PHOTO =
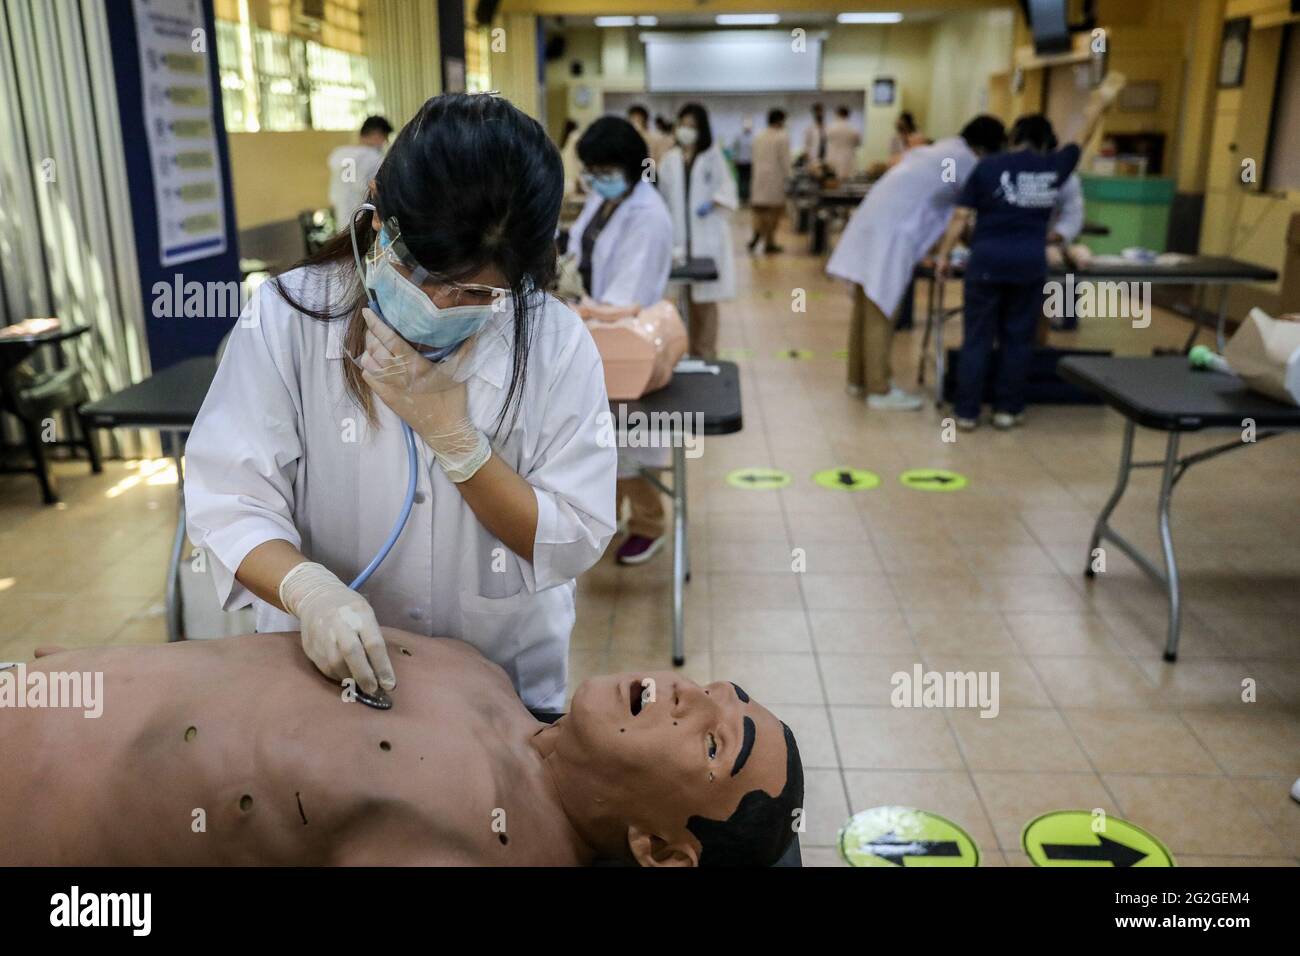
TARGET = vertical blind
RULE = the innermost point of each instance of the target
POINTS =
(67, 247)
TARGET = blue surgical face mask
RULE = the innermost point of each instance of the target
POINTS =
(610, 185)
(413, 315)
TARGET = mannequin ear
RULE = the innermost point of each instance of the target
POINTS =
(651, 850)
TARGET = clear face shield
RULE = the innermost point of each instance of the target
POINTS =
(402, 292)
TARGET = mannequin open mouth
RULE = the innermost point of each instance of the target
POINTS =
(634, 692)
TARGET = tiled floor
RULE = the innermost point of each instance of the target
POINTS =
(985, 579)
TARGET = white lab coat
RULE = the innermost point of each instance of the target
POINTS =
(634, 251)
(902, 216)
(1067, 217)
(280, 450)
(842, 142)
(710, 234)
(352, 167)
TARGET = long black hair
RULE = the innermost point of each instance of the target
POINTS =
(704, 132)
(472, 182)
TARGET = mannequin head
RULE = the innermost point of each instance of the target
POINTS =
(675, 774)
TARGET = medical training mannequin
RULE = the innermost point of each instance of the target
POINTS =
(238, 752)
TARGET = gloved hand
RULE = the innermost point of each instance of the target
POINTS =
(704, 208)
(339, 630)
(426, 396)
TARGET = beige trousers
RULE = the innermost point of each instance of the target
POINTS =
(645, 507)
(871, 333)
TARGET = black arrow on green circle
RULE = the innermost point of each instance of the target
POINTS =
(1104, 851)
(755, 479)
(846, 478)
(937, 479)
(890, 847)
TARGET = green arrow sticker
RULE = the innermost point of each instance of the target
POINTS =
(1081, 838)
(841, 353)
(799, 355)
(847, 479)
(905, 836)
(762, 479)
(735, 354)
(933, 479)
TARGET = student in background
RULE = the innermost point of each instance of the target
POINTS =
(906, 136)
(842, 142)
(742, 154)
(814, 141)
(661, 138)
(353, 166)
(771, 171)
(701, 193)
(624, 240)
(887, 235)
(569, 156)
(1012, 196)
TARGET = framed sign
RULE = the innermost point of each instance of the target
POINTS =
(882, 91)
(1232, 52)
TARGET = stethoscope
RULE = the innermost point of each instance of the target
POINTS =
(412, 455)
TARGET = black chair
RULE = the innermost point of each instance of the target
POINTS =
(34, 397)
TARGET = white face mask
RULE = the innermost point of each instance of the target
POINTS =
(687, 135)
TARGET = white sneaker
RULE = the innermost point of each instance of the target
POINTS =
(967, 424)
(1295, 790)
(895, 400)
(1005, 420)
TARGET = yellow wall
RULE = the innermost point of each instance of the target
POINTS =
(1240, 220)
(855, 55)
(277, 175)
(966, 51)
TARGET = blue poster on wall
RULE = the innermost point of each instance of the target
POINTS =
(179, 101)
(178, 170)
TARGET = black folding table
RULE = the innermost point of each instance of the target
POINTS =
(1199, 272)
(168, 401)
(693, 403)
(1165, 394)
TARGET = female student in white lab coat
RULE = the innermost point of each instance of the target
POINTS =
(623, 239)
(701, 194)
(298, 463)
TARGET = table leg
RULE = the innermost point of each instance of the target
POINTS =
(175, 604)
(679, 553)
(1167, 477)
(925, 333)
(1102, 527)
(684, 306)
(1222, 320)
(1198, 303)
(940, 360)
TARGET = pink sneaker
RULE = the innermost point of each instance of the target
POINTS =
(638, 549)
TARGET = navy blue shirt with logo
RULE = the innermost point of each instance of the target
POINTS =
(1013, 195)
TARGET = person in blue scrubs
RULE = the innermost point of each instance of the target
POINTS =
(1012, 196)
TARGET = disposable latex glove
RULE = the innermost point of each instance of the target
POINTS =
(704, 208)
(339, 630)
(426, 396)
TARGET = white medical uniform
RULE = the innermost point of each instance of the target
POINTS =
(1067, 217)
(902, 216)
(710, 234)
(281, 450)
(633, 253)
(842, 142)
(352, 167)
